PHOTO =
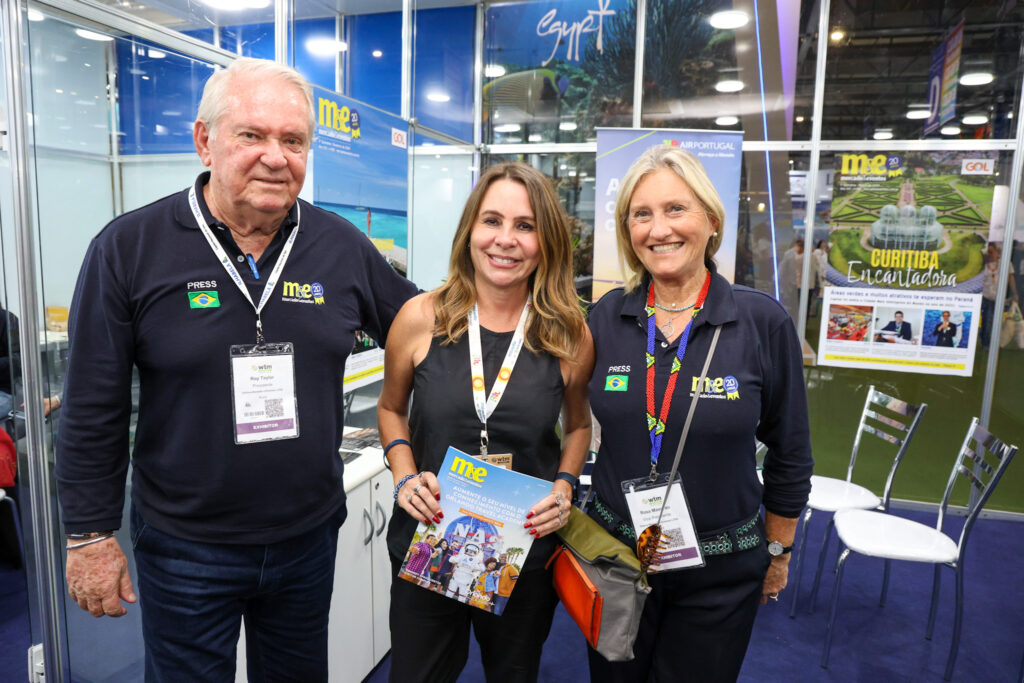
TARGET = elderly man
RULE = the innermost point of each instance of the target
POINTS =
(238, 306)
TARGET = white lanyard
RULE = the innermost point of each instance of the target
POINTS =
(225, 260)
(485, 408)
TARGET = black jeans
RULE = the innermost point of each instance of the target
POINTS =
(195, 595)
(696, 623)
(430, 632)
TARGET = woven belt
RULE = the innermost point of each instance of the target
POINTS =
(742, 537)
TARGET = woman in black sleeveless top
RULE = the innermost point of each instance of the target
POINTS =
(512, 248)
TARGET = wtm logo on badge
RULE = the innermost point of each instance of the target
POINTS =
(203, 300)
(616, 383)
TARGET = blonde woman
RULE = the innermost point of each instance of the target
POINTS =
(509, 280)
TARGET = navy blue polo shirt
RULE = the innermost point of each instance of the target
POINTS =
(135, 306)
(758, 357)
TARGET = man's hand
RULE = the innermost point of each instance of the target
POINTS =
(776, 578)
(98, 578)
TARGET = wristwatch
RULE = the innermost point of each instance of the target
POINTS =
(775, 548)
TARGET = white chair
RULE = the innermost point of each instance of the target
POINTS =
(879, 534)
(891, 420)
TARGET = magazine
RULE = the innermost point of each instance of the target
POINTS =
(477, 551)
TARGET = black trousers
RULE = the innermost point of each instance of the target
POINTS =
(696, 623)
(430, 633)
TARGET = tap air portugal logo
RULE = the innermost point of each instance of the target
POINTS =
(312, 293)
(727, 387)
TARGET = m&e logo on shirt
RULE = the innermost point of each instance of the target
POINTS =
(203, 300)
(616, 383)
(312, 293)
(727, 387)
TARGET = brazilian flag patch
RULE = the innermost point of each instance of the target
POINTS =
(616, 383)
(203, 300)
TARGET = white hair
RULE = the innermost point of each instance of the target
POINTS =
(214, 101)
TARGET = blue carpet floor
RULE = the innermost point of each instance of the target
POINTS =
(872, 643)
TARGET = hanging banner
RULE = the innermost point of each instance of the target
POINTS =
(359, 170)
(618, 148)
(906, 260)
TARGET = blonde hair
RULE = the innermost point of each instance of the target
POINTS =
(214, 102)
(557, 323)
(691, 171)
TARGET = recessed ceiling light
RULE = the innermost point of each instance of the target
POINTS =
(726, 121)
(59, 91)
(800, 119)
(535, 137)
(883, 135)
(438, 96)
(236, 5)
(918, 114)
(325, 47)
(950, 130)
(729, 19)
(145, 78)
(975, 120)
(377, 53)
(729, 86)
(507, 128)
(35, 15)
(494, 71)
(156, 54)
(567, 125)
(837, 35)
(92, 35)
(977, 78)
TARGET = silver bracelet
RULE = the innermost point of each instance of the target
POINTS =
(97, 539)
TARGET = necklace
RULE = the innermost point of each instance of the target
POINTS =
(668, 328)
(669, 309)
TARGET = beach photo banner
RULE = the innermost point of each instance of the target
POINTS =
(360, 171)
(618, 148)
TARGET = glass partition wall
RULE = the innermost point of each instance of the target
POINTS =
(110, 89)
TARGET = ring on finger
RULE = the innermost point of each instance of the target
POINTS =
(408, 499)
(416, 489)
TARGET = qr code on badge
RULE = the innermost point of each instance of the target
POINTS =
(675, 536)
(274, 407)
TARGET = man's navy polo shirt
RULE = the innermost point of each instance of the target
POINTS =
(133, 307)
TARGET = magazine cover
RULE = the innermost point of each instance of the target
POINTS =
(477, 551)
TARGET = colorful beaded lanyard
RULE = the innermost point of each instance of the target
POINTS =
(656, 426)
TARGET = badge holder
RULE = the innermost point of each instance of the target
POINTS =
(645, 498)
(263, 399)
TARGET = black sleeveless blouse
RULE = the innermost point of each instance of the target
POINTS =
(442, 415)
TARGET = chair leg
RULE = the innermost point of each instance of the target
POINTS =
(885, 584)
(957, 622)
(934, 607)
(799, 562)
(821, 563)
(835, 604)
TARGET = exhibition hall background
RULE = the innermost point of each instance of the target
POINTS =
(100, 96)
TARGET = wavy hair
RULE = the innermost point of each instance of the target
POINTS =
(691, 171)
(556, 324)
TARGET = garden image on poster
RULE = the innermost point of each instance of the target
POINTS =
(910, 221)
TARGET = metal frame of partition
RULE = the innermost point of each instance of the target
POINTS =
(43, 524)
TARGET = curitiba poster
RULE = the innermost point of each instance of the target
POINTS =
(906, 260)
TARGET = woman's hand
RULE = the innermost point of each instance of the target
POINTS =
(419, 495)
(552, 512)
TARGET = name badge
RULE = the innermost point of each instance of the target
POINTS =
(645, 498)
(503, 460)
(263, 395)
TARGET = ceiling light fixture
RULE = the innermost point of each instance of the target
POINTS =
(726, 121)
(156, 54)
(494, 71)
(35, 15)
(92, 35)
(729, 19)
(975, 120)
(883, 135)
(507, 128)
(950, 130)
(800, 119)
(729, 86)
(438, 96)
(837, 35)
(977, 78)
(918, 114)
(325, 47)
(377, 54)
(567, 125)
